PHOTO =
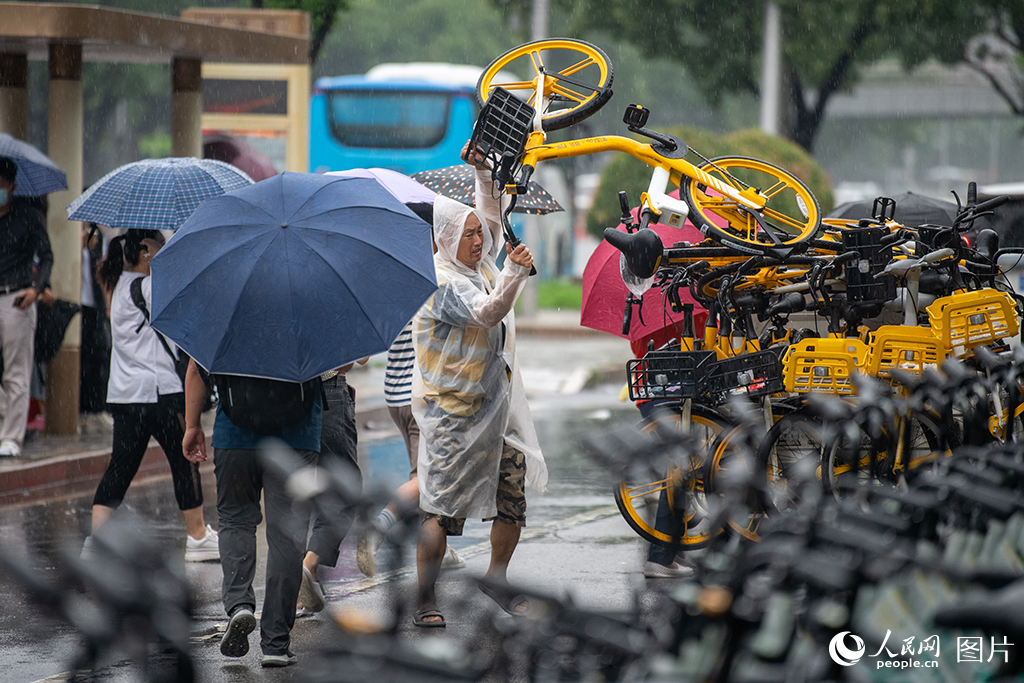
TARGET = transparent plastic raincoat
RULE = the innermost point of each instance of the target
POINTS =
(468, 396)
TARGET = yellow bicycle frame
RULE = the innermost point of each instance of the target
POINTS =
(537, 150)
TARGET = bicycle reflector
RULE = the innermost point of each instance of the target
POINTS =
(636, 116)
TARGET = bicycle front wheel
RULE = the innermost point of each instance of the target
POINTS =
(790, 216)
(577, 79)
(685, 493)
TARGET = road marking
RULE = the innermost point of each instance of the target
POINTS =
(353, 586)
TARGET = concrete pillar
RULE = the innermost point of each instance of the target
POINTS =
(14, 94)
(64, 146)
(186, 107)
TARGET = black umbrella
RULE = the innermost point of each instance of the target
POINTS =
(912, 210)
(51, 324)
(459, 183)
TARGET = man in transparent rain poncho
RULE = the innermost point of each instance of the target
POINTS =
(478, 447)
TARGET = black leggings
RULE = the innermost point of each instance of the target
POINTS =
(134, 424)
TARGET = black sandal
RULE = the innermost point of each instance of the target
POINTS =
(506, 599)
(428, 611)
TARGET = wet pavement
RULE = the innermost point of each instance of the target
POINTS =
(575, 544)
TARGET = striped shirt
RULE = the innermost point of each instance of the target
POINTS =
(398, 374)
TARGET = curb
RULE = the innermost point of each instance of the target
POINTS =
(61, 475)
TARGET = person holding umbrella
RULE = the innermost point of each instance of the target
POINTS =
(23, 238)
(145, 395)
(232, 288)
(478, 445)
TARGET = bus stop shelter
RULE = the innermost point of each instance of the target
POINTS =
(66, 36)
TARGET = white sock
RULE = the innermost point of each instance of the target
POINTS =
(385, 520)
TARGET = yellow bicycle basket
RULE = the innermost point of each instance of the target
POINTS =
(964, 320)
(909, 348)
(824, 365)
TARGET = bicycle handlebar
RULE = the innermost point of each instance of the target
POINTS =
(993, 203)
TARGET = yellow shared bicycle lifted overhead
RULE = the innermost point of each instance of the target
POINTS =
(743, 203)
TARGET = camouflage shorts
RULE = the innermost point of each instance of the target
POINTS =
(510, 499)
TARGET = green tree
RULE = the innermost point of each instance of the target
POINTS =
(998, 53)
(376, 31)
(322, 14)
(824, 42)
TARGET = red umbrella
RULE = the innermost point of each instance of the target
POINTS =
(604, 293)
(253, 162)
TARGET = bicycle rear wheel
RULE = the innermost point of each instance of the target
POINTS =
(790, 217)
(685, 493)
(793, 450)
(577, 79)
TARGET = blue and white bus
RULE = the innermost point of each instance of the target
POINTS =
(406, 117)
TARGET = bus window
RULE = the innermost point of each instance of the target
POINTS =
(388, 118)
(406, 117)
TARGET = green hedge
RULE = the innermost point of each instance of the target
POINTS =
(633, 176)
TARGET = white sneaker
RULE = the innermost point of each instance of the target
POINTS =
(653, 570)
(9, 449)
(89, 549)
(206, 549)
(311, 595)
(451, 560)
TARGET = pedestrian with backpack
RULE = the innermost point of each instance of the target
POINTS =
(145, 395)
(250, 410)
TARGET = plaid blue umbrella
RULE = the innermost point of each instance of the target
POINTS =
(155, 194)
(293, 276)
(37, 174)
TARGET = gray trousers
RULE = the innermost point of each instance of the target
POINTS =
(17, 343)
(241, 476)
(337, 449)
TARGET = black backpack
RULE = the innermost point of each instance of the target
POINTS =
(181, 359)
(265, 406)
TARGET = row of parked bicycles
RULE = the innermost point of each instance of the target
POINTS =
(844, 488)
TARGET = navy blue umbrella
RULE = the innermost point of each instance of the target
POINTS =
(293, 276)
(37, 175)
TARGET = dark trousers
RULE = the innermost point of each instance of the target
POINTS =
(95, 360)
(241, 477)
(134, 424)
(337, 449)
(663, 520)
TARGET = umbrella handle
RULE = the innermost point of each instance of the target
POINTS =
(510, 236)
(627, 315)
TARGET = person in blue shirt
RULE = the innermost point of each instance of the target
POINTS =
(241, 477)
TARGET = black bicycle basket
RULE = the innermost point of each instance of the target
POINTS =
(752, 374)
(861, 284)
(668, 374)
(503, 125)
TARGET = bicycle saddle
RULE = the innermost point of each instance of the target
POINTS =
(642, 249)
(1003, 612)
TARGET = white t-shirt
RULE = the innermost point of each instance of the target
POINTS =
(140, 367)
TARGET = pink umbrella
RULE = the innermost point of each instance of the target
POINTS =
(254, 163)
(604, 292)
(404, 188)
